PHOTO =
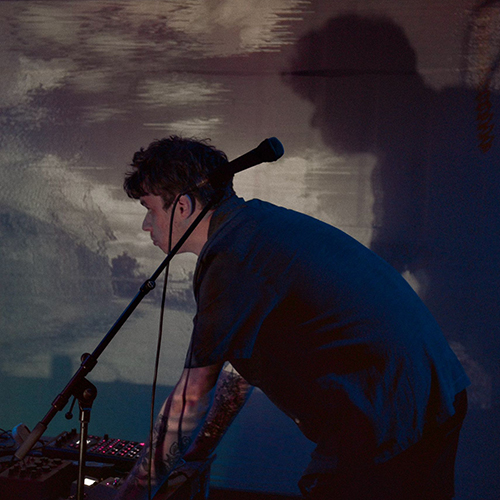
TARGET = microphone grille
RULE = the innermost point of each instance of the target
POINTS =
(275, 149)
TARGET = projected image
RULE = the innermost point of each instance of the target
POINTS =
(85, 87)
(388, 117)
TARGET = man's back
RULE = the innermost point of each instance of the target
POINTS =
(329, 331)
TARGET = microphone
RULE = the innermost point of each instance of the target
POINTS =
(268, 150)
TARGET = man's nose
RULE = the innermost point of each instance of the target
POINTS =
(146, 224)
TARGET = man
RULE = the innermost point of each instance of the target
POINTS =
(330, 332)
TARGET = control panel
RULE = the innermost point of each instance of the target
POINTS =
(36, 478)
(100, 449)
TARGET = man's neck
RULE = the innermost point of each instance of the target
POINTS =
(199, 237)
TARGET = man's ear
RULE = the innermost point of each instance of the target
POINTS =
(186, 205)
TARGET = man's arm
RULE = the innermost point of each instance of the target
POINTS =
(231, 393)
(179, 420)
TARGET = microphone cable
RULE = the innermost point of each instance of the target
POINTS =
(158, 351)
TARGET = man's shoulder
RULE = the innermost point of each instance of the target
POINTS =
(245, 220)
(275, 214)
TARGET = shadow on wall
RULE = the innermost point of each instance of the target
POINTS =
(436, 191)
(436, 183)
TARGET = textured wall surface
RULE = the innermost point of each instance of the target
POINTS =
(387, 112)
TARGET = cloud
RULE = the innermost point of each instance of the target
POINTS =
(188, 127)
(178, 91)
(27, 75)
(46, 188)
(239, 26)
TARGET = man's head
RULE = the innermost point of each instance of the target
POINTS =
(168, 168)
(172, 166)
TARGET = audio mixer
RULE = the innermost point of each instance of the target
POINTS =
(37, 478)
(120, 452)
(50, 471)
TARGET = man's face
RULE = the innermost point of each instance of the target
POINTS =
(157, 221)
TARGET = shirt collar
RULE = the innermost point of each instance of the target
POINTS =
(224, 212)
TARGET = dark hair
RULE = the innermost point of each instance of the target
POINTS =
(175, 165)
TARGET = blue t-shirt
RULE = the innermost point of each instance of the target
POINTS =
(331, 333)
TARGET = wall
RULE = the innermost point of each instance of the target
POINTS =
(385, 111)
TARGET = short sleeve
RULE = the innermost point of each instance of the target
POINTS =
(234, 300)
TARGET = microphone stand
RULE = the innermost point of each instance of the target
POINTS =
(86, 394)
(79, 387)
